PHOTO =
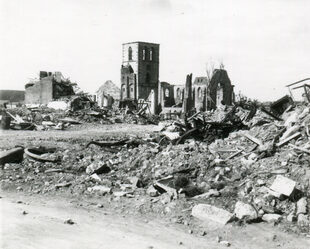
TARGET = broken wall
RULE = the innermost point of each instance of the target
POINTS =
(128, 83)
(40, 92)
(220, 89)
(178, 94)
(200, 97)
(166, 95)
(47, 89)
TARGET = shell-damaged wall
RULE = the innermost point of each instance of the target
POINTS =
(47, 89)
(220, 89)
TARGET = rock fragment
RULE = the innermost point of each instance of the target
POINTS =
(303, 220)
(69, 222)
(301, 206)
(245, 211)
(225, 243)
(208, 212)
(271, 217)
(291, 217)
(283, 185)
(151, 191)
(100, 188)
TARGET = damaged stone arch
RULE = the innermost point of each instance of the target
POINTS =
(131, 90)
(167, 93)
(144, 53)
(220, 89)
(219, 94)
(178, 92)
(199, 92)
(151, 53)
(129, 53)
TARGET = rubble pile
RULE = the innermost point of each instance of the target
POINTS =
(132, 118)
(226, 166)
(46, 118)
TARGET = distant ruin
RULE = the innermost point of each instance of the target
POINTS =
(50, 86)
(140, 81)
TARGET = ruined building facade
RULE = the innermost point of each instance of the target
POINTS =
(140, 70)
(221, 91)
(205, 94)
(140, 80)
(106, 93)
(200, 93)
(50, 86)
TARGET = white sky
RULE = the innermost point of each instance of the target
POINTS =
(264, 45)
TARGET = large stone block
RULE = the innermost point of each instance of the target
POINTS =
(283, 185)
(243, 210)
(207, 212)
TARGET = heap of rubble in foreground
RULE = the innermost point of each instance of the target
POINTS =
(253, 171)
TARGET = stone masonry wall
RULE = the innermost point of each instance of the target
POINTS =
(40, 93)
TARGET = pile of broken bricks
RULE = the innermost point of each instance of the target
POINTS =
(260, 174)
(281, 188)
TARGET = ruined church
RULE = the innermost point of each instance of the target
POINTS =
(140, 80)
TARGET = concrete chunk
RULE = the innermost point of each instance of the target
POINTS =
(303, 220)
(207, 212)
(171, 135)
(243, 210)
(99, 188)
(283, 185)
(152, 191)
(302, 206)
(271, 217)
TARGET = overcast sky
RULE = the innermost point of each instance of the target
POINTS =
(264, 45)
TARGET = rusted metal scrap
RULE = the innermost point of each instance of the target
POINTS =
(270, 114)
(38, 154)
(108, 143)
(126, 141)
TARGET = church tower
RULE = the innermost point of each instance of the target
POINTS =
(140, 70)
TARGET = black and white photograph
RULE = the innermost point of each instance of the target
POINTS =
(154, 124)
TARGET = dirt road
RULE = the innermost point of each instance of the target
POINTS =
(86, 131)
(42, 226)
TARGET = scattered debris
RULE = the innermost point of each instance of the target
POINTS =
(225, 243)
(246, 160)
(100, 189)
(69, 222)
(100, 168)
(64, 184)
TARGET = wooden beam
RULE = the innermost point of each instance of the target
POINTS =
(271, 114)
(254, 139)
(297, 82)
(299, 148)
(297, 134)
